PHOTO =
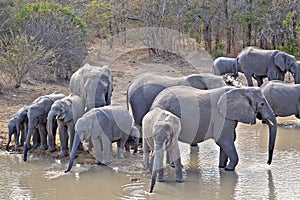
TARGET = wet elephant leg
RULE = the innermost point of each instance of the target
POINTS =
(223, 159)
(107, 149)
(176, 159)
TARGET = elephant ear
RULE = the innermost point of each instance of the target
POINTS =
(280, 61)
(235, 105)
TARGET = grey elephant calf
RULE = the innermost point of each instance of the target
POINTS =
(103, 126)
(18, 125)
(224, 65)
(67, 111)
(160, 133)
(37, 118)
(283, 98)
(215, 113)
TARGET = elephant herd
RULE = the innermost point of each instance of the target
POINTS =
(164, 110)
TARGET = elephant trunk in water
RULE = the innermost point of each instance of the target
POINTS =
(268, 116)
(157, 167)
(76, 143)
(272, 138)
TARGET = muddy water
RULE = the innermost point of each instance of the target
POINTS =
(253, 178)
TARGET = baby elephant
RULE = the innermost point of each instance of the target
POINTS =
(160, 133)
(103, 126)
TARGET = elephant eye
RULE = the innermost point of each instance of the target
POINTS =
(262, 103)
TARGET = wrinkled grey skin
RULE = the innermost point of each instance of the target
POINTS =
(104, 125)
(66, 111)
(133, 141)
(225, 65)
(93, 84)
(283, 98)
(37, 118)
(160, 133)
(267, 63)
(17, 126)
(215, 114)
(146, 87)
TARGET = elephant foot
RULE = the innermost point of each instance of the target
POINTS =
(63, 154)
(44, 147)
(51, 149)
(160, 179)
(180, 180)
(229, 169)
(222, 166)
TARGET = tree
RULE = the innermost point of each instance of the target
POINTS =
(20, 53)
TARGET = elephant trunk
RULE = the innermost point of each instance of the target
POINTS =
(270, 118)
(157, 166)
(153, 180)
(50, 117)
(75, 145)
(272, 139)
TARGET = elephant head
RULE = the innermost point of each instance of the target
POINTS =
(286, 62)
(93, 84)
(245, 105)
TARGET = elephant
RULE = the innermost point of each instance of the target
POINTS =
(215, 113)
(146, 87)
(93, 84)
(263, 63)
(66, 111)
(37, 118)
(18, 125)
(161, 130)
(224, 65)
(283, 98)
(104, 125)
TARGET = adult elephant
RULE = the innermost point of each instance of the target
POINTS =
(267, 63)
(225, 65)
(93, 84)
(147, 86)
(37, 118)
(66, 110)
(283, 98)
(215, 114)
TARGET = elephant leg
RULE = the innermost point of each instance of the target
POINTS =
(176, 159)
(98, 150)
(259, 80)
(146, 152)
(36, 138)
(223, 159)
(230, 150)
(249, 80)
(43, 136)
(107, 149)
(63, 138)
(121, 145)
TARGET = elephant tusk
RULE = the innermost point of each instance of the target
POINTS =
(269, 122)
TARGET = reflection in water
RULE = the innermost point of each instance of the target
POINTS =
(253, 179)
(228, 181)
